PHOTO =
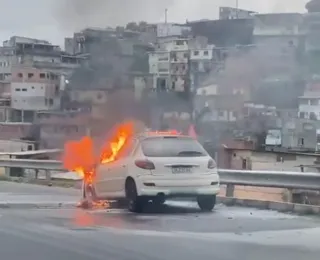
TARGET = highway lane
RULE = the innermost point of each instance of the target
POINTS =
(170, 233)
(20, 193)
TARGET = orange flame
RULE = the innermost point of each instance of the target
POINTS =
(115, 145)
(79, 155)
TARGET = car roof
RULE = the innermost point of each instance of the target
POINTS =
(154, 135)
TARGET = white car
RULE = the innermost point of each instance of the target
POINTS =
(159, 166)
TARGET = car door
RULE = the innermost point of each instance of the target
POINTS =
(123, 162)
(112, 176)
(101, 180)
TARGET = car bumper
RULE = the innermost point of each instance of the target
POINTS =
(188, 187)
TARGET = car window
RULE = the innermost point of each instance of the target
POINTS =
(172, 147)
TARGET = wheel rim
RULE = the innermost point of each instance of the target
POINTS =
(89, 196)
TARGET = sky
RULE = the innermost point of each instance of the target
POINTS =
(55, 19)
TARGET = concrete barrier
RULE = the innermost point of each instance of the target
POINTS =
(301, 209)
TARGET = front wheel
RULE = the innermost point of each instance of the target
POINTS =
(207, 202)
(89, 196)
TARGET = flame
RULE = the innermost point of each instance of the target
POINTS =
(79, 155)
(121, 136)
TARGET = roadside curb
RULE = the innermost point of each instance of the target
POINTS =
(57, 205)
(300, 209)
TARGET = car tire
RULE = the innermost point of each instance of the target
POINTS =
(206, 203)
(136, 203)
(89, 194)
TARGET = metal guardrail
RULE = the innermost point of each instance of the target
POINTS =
(231, 178)
(32, 164)
(272, 179)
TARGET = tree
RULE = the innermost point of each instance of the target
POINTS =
(133, 26)
(143, 26)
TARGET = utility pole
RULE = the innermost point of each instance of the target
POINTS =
(166, 16)
(237, 6)
(166, 21)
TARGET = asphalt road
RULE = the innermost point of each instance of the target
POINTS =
(170, 233)
(176, 231)
(20, 193)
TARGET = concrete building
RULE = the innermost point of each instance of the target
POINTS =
(224, 32)
(169, 65)
(33, 90)
(311, 27)
(179, 64)
(112, 55)
(12, 130)
(37, 53)
(235, 158)
(309, 106)
(55, 127)
(227, 13)
(165, 30)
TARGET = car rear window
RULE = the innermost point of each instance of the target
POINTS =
(172, 147)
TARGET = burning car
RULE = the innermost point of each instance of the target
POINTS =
(150, 166)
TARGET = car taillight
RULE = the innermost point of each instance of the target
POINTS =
(212, 164)
(145, 164)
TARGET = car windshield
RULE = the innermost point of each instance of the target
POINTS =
(172, 147)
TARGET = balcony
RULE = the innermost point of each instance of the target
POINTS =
(55, 65)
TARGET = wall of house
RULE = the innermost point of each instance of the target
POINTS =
(91, 96)
(270, 161)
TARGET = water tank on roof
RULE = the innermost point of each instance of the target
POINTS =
(313, 6)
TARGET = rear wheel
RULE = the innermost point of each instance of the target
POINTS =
(135, 203)
(206, 202)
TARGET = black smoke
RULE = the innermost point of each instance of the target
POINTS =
(77, 14)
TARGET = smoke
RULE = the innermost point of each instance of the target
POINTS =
(74, 15)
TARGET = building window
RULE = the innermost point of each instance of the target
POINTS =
(314, 102)
(57, 89)
(301, 142)
(180, 42)
(50, 102)
(185, 55)
(20, 75)
(304, 102)
(30, 75)
(17, 89)
(221, 113)
(234, 114)
(313, 116)
(174, 56)
(42, 75)
(244, 164)
(206, 53)
(99, 96)
(196, 53)
(24, 89)
(302, 114)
